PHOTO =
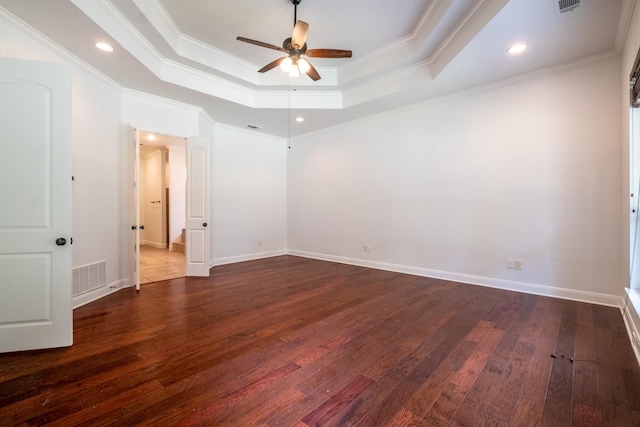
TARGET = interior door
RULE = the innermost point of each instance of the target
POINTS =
(35, 218)
(634, 175)
(197, 212)
(136, 207)
(152, 202)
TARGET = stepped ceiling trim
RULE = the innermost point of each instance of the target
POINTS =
(186, 51)
(236, 80)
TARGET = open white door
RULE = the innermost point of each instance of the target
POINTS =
(35, 218)
(136, 207)
(197, 233)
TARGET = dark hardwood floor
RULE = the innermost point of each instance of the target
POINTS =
(288, 341)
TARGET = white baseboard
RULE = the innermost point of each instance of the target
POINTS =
(153, 244)
(631, 316)
(95, 294)
(529, 288)
(247, 257)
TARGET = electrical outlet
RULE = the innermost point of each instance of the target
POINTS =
(510, 264)
(517, 264)
(366, 248)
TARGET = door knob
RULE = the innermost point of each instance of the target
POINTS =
(61, 241)
(142, 227)
(204, 225)
(133, 227)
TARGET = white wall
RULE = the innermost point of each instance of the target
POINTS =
(160, 115)
(528, 170)
(248, 177)
(97, 191)
(249, 184)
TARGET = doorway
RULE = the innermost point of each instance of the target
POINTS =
(162, 181)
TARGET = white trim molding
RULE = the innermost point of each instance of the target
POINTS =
(529, 288)
(631, 315)
(96, 294)
(248, 257)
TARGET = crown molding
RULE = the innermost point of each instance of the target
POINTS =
(160, 99)
(473, 22)
(396, 66)
(624, 24)
(429, 21)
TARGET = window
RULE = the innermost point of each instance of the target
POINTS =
(635, 83)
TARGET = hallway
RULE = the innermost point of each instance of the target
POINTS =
(160, 264)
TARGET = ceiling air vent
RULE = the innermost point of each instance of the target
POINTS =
(563, 6)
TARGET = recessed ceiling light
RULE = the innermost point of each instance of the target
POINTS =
(151, 137)
(104, 46)
(517, 48)
(299, 119)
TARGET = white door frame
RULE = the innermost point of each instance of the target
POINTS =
(136, 207)
(193, 267)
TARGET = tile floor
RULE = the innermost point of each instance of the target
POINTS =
(160, 264)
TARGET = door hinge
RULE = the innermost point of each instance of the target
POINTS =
(71, 241)
(73, 178)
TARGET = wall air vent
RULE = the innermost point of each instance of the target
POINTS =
(563, 6)
(89, 277)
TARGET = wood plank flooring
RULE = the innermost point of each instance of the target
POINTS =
(288, 341)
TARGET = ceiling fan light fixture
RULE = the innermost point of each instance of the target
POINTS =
(296, 46)
(303, 65)
(287, 64)
(294, 72)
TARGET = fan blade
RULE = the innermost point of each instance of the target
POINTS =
(271, 65)
(299, 36)
(313, 73)
(328, 53)
(261, 44)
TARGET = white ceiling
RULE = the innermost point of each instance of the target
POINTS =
(403, 52)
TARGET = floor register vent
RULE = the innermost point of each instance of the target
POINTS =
(563, 6)
(89, 277)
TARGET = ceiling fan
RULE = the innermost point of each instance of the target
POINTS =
(295, 47)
